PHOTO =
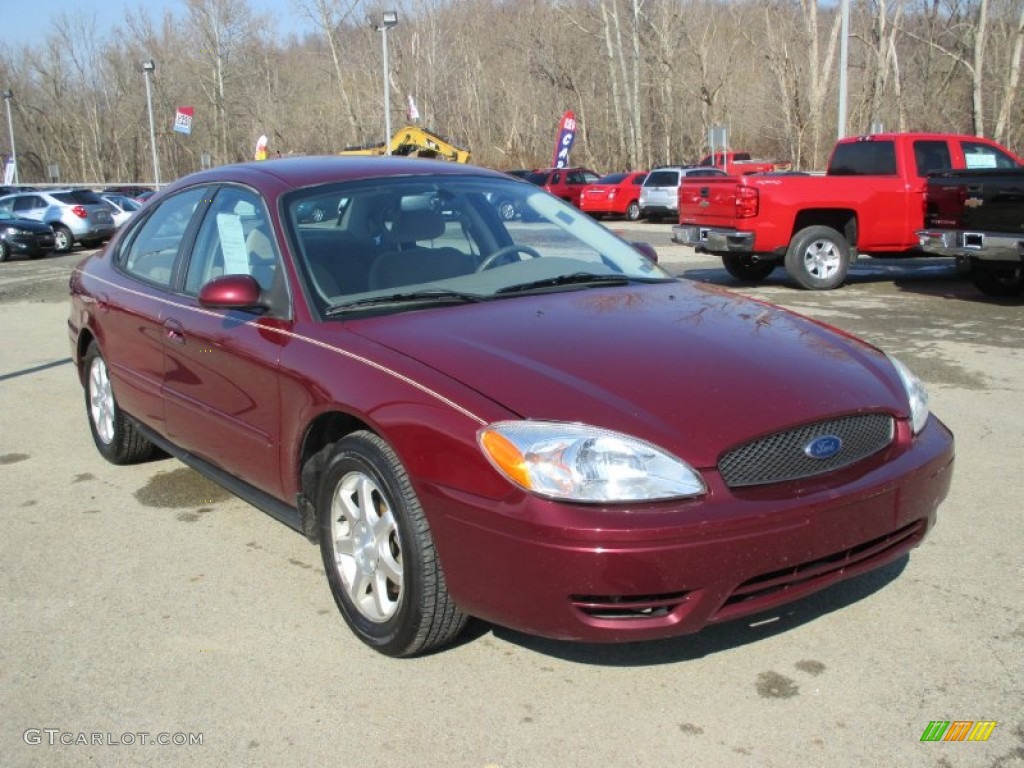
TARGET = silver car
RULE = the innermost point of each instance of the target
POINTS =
(659, 196)
(76, 215)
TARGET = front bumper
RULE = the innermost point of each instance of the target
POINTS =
(713, 239)
(36, 244)
(611, 575)
(988, 246)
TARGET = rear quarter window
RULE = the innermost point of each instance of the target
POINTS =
(863, 158)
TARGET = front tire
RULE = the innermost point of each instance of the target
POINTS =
(63, 239)
(116, 436)
(5, 251)
(818, 258)
(378, 552)
(744, 267)
(506, 210)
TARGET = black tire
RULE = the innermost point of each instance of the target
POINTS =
(818, 258)
(633, 211)
(378, 552)
(506, 210)
(743, 267)
(654, 218)
(63, 239)
(5, 251)
(116, 437)
(318, 214)
(1000, 281)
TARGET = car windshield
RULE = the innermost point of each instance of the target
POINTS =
(412, 242)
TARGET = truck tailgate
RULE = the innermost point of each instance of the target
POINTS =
(708, 201)
(983, 200)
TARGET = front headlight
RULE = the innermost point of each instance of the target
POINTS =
(917, 395)
(16, 231)
(577, 462)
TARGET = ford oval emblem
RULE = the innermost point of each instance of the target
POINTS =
(824, 447)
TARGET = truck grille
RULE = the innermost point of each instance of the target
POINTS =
(784, 455)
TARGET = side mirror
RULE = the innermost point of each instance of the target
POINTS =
(646, 249)
(232, 292)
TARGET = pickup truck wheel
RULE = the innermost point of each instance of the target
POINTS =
(744, 267)
(998, 281)
(378, 553)
(818, 258)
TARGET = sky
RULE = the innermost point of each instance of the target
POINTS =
(28, 21)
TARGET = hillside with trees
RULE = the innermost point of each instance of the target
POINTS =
(645, 78)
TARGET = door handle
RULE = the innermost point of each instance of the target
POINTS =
(175, 331)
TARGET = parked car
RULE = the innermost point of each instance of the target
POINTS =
(449, 406)
(76, 215)
(564, 183)
(617, 194)
(505, 206)
(134, 191)
(659, 195)
(870, 202)
(122, 207)
(24, 236)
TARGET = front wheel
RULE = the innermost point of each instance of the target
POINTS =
(5, 251)
(116, 437)
(998, 280)
(378, 552)
(63, 239)
(745, 267)
(506, 210)
(818, 258)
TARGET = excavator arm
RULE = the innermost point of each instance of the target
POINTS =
(414, 141)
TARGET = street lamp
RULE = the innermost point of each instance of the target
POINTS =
(148, 67)
(8, 95)
(388, 19)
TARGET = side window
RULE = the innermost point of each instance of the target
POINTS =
(152, 250)
(556, 177)
(7, 205)
(638, 181)
(931, 156)
(27, 203)
(574, 177)
(980, 155)
(235, 238)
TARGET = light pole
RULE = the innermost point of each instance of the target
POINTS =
(388, 19)
(148, 67)
(8, 95)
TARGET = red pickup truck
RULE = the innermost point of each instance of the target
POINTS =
(741, 163)
(870, 201)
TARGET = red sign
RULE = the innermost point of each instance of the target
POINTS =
(183, 119)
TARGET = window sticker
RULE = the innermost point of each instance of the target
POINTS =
(232, 243)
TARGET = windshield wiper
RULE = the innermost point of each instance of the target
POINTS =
(437, 296)
(576, 278)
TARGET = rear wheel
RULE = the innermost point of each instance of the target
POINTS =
(999, 280)
(818, 258)
(633, 211)
(116, 436)
(63, 239)
(378, 552)
(743, 266)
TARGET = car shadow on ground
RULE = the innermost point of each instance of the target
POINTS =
(711, 640)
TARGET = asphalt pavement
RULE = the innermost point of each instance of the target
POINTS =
(144, 604)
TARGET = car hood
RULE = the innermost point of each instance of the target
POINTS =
(31, 225)
(691, 368)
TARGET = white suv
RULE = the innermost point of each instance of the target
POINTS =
(76, 215)
(659, 196)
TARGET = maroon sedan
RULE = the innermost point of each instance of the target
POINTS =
(617, 194)
(530, 423)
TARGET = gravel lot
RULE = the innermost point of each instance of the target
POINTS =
(142, 601)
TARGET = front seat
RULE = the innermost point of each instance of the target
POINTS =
(407, 262)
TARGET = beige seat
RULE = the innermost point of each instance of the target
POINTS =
(407, 262)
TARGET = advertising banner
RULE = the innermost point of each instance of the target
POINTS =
(183, 119)
(566, 136)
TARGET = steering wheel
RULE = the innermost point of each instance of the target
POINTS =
(514, 248)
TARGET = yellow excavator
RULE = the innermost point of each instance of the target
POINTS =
(414, 141)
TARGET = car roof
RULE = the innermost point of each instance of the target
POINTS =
(292, 172)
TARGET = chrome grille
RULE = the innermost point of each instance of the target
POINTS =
(781, 457)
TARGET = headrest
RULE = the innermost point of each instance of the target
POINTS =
(413, 226)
